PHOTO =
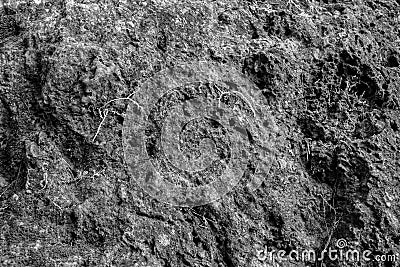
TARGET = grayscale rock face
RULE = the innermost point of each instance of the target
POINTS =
(199, 133)
(4, 137)
(192, 131)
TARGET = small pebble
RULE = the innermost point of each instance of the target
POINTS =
(15, 197)
(3, 182)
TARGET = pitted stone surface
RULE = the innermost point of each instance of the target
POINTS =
(191, 133)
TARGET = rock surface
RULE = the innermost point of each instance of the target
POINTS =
(327, 71)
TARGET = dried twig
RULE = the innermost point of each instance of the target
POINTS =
(103, 115)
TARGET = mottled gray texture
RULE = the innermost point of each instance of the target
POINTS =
(326, 72)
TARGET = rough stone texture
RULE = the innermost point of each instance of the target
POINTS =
(327, 70)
